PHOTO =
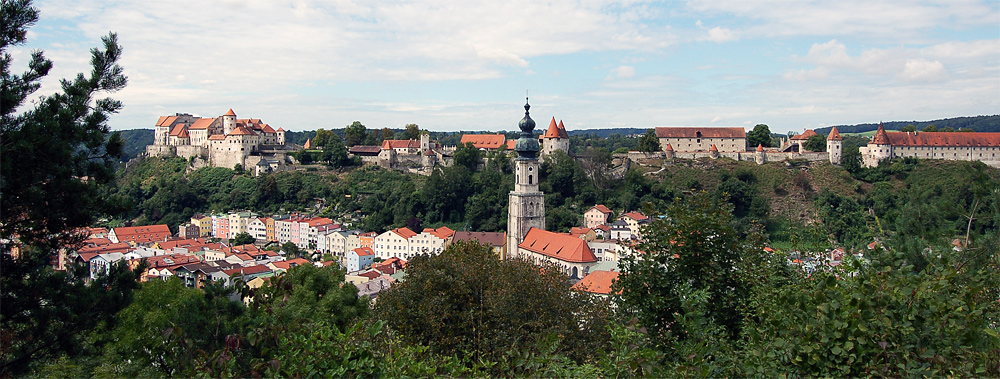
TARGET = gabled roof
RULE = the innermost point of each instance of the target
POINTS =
(557, 245)
(202, 123)
(242, 131)
(404, 232)
(286, 265)
(635, 216)
(497, 239)
(805, 135)
(511, 144)
(943, 139)
(364, 251)
(216, 137)
(178, 129)
(577, 231)
(247, 270)
(400, 144)
(443, 232)
(364, 150)
(485, 141)
(601, 208)
(834, 135)
(141, 234)
(267, 129)
(281, 129)
(700, 132)
(183, 134)
(597, 282)
(162, 121)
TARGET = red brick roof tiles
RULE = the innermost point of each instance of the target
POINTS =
(693, 132)
(635, 216)
(880, 137)
(400, 144)
(805, 135)
(141, 234)
(230, 113)
(760, 148)
(404, 232)
(942, 139)
(443, 232)
(364, 251)
(484, 141)
(557, 245)
(202, 123)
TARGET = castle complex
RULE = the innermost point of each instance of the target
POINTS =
(956, 146)
(223, 141)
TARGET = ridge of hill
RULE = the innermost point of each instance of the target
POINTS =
(976, 123)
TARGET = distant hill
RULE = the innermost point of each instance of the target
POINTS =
(604, 133)
(977, 123)
(136, 141)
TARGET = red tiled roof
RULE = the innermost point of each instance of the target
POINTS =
(140, 234)
(364, 251)
(668, 148)
(557, 245)
(713, 148)
(484, 141)
(183, 134)
(320, 221)
(804, 136)
(935, 139)
(562, 130)
(202, 123)
(281, 129)
(597, 282)
(555, 131)
(360, 149)
(308, 144)
(601, 208)
(404, 232)
(693, 132)
(760, 147)
(603, 227)
(121, 247)
(177, 130)
(161, 121)
(443, 232)
(267, 129)
(834, 135)
(216, 137)
(285, 265)
(243, 131)
(247, 270)
(635, 216)
(175, 259)
(230, 113)
(576, 231)
(511, 144)
(96, 241)
(880, 137)
(400, 144)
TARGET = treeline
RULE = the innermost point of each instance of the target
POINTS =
(977, 124)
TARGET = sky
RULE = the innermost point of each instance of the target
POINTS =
(450, 65)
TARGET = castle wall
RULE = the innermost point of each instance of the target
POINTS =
(160, 151)
(989, 155)
(188, 151)
(733, 145)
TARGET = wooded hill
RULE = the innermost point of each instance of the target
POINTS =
(977, 123)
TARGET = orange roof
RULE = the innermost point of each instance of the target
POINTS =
(160, 122)
(698, 132)
(557, 245)
(511, 144)
(244, 256)
(281, 129)
(183, 134)
(597, 282)
(169, 120)
(121, 247)
(243, 131)
(804, 136)
(177, 130)
(668, 148)
(601, 208)
(308, 144)
(635, 216)
(202, 123)
(443, 232)
(713, 148)
(267, 129)
(247, 270)
(953, 139)
(285, 265)
(880, 137)
(319, 221)
(576, 230)
(484, 141)
(834, 135)
(760, 147)
(96, 241)
(400, 144)
(216, 137)
(364, 251)
(140, 234)
(555, 130)
(230, 113)
(175, 259)
(404, 232)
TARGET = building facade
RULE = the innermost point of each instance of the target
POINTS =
(983, 147)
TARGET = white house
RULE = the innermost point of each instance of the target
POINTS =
(430, 241)
(394, 243)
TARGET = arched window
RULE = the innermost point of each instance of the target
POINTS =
(529, 179)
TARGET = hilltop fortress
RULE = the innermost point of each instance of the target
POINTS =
(223, 141)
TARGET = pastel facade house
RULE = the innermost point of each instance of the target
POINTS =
(620, 231)
(695, 139)
(983, 147)
(393, 243)
(359, 259)
(430, 241)
(554, 139)
(257, 228)
(569, 253)
(497, 241)
(598, 282)
(596, 216)
(605, 250)
(140, 235)
(635, 221)
(337, 242)
(586, 234)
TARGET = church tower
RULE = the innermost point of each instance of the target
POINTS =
(527, 202)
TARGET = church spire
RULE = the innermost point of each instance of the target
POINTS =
(526, 146)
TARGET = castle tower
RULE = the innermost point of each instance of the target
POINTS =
(760, 156)
(281, 136)
(228, 122)
(714, 152)
(879, 148)
(834, 146)
(527, 202)
(555, 138)
(425, 141)
(669, 152)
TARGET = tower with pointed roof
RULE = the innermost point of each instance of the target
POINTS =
(229, 122)
(879, 148)
(526, 207)
(555, 138)
(834, 146)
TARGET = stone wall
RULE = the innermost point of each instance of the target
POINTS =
(160, 151)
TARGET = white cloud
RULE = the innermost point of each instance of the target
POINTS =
(625, 72)
(922, 70)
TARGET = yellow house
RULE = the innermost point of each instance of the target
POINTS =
(204, 224)
(269, 224)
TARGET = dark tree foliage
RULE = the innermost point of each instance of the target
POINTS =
(354, 134)
(760, 135)
(649, 143)
(693, 248)
(470, 303)
(468, 156)
(242, 238)
(815, 143)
